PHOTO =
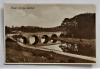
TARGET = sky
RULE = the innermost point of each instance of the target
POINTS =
(43, 15)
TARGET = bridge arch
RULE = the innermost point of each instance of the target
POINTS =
(23, 39)
(34, 40)
(62, 35)
(45, 39)
(54, 38)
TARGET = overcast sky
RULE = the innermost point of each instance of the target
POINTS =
(43, 15)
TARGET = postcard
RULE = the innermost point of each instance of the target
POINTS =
(49, 33)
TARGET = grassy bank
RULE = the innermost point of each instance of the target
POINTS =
(17, 54)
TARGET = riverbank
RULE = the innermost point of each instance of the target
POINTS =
(17, 54)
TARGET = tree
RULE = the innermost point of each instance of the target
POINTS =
(22, 28)
(7, 30)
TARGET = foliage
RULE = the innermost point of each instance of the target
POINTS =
(80, 26)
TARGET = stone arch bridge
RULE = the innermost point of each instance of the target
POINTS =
(40, 38)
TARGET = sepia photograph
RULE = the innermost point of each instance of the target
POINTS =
(49, 33)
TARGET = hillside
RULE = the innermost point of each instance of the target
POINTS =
(80, 26)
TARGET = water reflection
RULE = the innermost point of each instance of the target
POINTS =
(21, 40)
(31, 40)
(54, 47)
(42, 40)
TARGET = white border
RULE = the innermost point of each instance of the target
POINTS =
(96, 2)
